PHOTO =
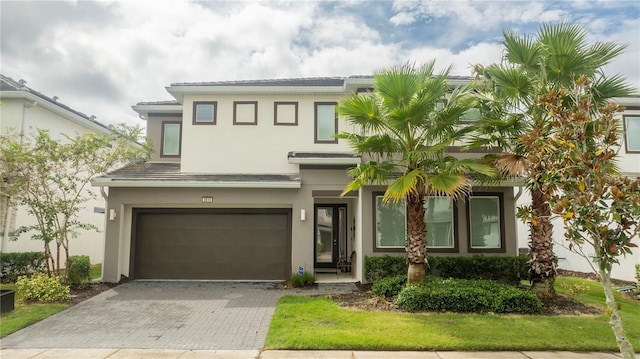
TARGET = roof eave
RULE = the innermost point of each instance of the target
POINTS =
(56, 109)
(179, 91)
(107, 182)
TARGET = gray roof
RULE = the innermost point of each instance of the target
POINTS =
(169, 173)
(7, 84)
(312, 81)
(167, 103)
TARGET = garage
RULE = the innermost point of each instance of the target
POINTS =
(216, 244)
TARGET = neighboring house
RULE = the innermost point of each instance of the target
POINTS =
(246, 182)
(629, 165)
(25, 110)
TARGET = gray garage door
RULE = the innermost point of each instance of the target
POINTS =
(233, 244)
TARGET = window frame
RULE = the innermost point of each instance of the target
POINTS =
(501, 218)
(255, 113)
(195, 112)
(162, 133)
(626, 134)
(375, 195)
(376, 248)
(315, 122)
(285, 103)
(456, 238)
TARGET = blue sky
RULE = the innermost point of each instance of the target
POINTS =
(102, 57)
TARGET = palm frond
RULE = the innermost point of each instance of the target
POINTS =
(448, 184)
(512, 164)
(370, 173)
(403, 186)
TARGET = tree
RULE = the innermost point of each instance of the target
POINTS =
(406, 124)
(599, 207)
(507, 96)
(51, 177)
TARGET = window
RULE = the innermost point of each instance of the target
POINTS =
(439, 214)
(245, 113)
(470, 115)
(170, 139)
(632, 133)
(285, 114)
(204, 113)
(390, 225)
(486, 233)
(326, 122)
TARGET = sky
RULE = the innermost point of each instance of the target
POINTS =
(102, 57)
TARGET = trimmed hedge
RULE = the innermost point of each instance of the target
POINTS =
(461, 295)
(505, 269)
(376, 268)
(79, 268)
(16, 264)
(390, 286)
(302, 280)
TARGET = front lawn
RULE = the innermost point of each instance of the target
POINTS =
(319, 323)
(26, 314)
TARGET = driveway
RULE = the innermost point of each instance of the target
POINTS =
(166, 315)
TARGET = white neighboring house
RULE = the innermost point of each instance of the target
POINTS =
(629, 164)
(23, 109)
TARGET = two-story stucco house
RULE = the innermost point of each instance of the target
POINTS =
(629, 165)
(24, 110)
(246, 182)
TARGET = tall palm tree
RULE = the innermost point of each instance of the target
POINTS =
(406, 124)
(508, 96)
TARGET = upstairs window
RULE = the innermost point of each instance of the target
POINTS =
(285, 114)
(204, 113)
(245, 113)
(326, 122)
(632, 133)
(170, 145)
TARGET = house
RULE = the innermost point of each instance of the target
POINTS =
(246, 183)
(24, 110)
(629, 165)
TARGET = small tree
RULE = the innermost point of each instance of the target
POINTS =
(51, 177)
(600, 208)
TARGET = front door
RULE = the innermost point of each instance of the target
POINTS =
(330, 237)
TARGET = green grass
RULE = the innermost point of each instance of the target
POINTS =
(319, 323)
(26, 314)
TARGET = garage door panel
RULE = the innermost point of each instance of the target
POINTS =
(212, 245)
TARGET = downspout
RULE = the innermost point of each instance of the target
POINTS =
(515, 219)
(106, 223)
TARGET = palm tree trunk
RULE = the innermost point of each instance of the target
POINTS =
(542, 265)
(416, 235)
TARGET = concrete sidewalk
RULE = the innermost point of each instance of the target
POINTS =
(286, 354)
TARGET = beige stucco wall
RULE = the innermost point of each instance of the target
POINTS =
(262, 148)
(16, 114)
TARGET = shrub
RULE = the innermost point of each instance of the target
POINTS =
(41, 288)
(302, 280)
(79, 268)
(13, 265)
(504, 269)
(460, 295)
(390, 286)
(376, 268)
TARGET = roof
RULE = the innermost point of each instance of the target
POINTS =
(311, 81)
(9, 88)
(167, 174)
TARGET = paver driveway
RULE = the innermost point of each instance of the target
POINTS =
(165, 315)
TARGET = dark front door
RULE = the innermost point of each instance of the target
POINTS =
(330, 234)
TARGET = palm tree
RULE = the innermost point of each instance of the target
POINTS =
(508, 99)
(406, 124)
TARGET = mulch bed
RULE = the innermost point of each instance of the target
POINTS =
(81, 294)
